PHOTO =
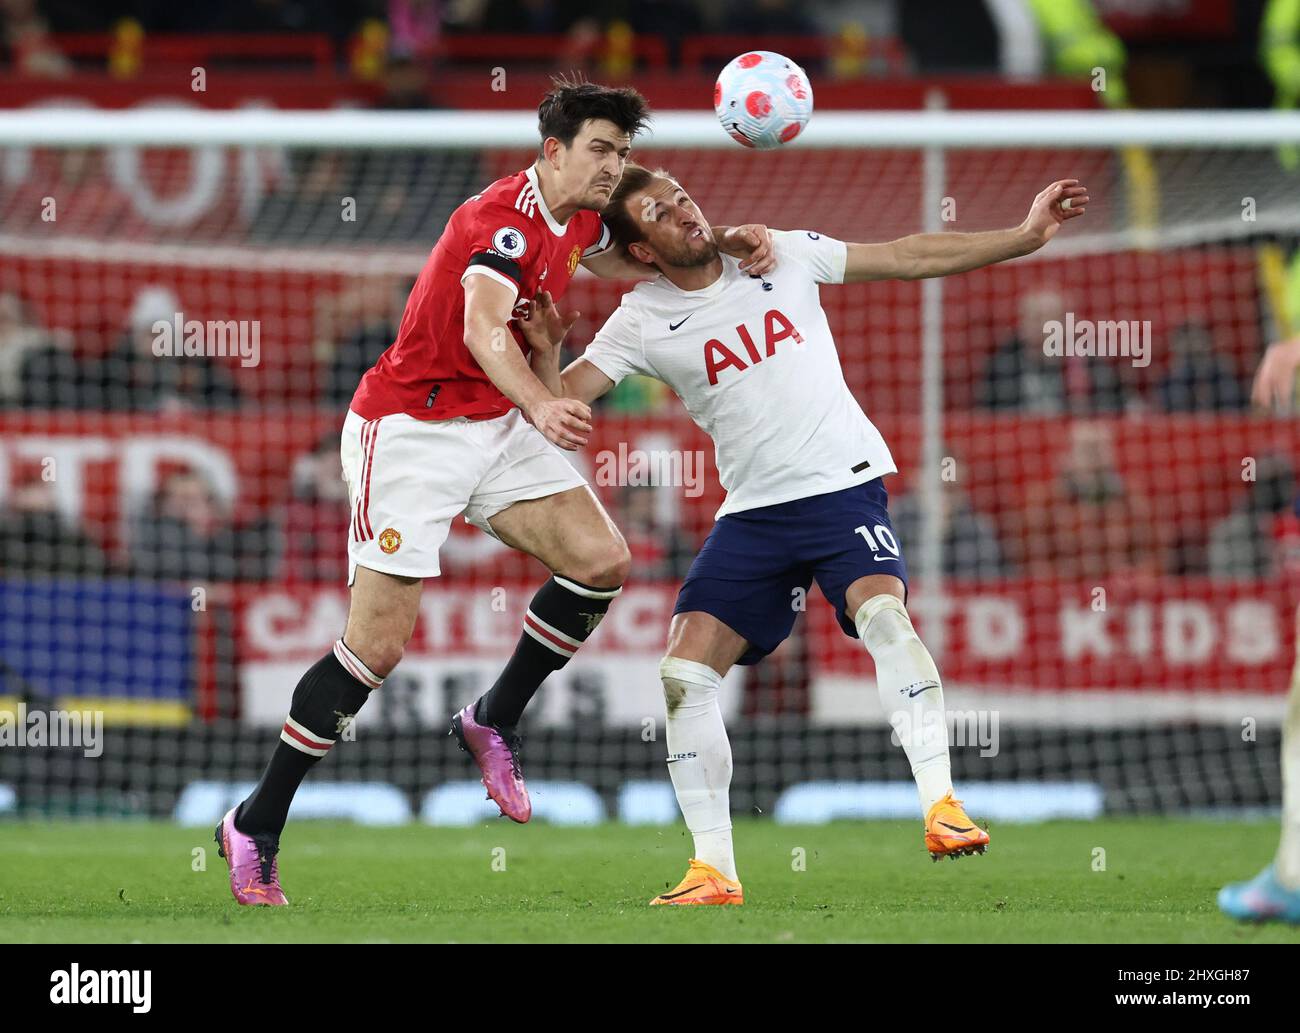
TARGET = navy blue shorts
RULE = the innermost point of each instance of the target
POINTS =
(747, 573)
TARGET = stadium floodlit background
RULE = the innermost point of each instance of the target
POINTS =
(1105, 551)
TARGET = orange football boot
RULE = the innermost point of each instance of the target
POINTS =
(949, 832)
(703, 884)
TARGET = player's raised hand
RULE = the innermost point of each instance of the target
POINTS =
(752, 244)
(1065, 199)
(1275, 380)
(563, 421)
(544, 328)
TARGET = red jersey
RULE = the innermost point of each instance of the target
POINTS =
(507, 233)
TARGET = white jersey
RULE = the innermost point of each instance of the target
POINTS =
(756, 366)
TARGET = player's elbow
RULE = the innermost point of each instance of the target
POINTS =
(475, 337)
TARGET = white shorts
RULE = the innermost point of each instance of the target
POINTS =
(408, 479)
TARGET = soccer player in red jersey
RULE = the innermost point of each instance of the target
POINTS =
(455, 418)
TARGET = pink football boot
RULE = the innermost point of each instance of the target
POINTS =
(498, 758)
(254, 872)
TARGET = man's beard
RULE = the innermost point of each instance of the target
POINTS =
(684, 257)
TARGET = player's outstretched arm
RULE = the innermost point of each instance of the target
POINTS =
(942, 254)
(564, 421)
(544, 329)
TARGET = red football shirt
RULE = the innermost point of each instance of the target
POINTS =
(508, 233)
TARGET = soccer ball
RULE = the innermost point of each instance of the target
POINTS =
(763, 100)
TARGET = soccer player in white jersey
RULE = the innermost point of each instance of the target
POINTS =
(753, 360)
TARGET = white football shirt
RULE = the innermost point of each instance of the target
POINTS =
(756, 366)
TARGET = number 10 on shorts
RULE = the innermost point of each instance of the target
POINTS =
(883, 538)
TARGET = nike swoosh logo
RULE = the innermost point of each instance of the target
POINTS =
(674, 326)
(679, 893)
(923, 688)
(968, 828)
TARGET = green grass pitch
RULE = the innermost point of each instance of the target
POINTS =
(119, 882)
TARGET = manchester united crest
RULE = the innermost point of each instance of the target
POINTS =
(389, 540)
(574, 255)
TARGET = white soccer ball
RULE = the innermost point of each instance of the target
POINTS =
(763, 100)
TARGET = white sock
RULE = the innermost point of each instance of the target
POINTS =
(910, 692)
(1287, 863)
(699, 758)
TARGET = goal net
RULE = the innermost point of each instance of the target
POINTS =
(1102, 537)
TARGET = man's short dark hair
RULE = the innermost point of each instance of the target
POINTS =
(572, 101)
(626, 227)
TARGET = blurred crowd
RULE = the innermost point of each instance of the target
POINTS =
(1084, 518)
(40, 368)
(1231, 52)
(1081, 516)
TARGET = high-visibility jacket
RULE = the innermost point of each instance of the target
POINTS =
(1078, 43)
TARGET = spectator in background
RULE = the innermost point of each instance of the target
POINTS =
(187, 535)
(51, 377)
(37, 367)
(658, 547)
(132, 378)
(415, 27)
(314, 522)
(1199, 378)
(1243, 545)
(1087, 523)
(356, 326)
(1020, 377)
(37, 541)
(20, 337)
(970, 539)
(25, 36)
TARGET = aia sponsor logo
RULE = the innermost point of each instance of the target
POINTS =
(718, 356)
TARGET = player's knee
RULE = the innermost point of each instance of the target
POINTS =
(883, 621)
(674, 692)
(380, 652)
(687, 682)
(607, 565)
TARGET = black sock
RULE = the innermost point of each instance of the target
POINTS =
(559, 619)
(324, 704)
